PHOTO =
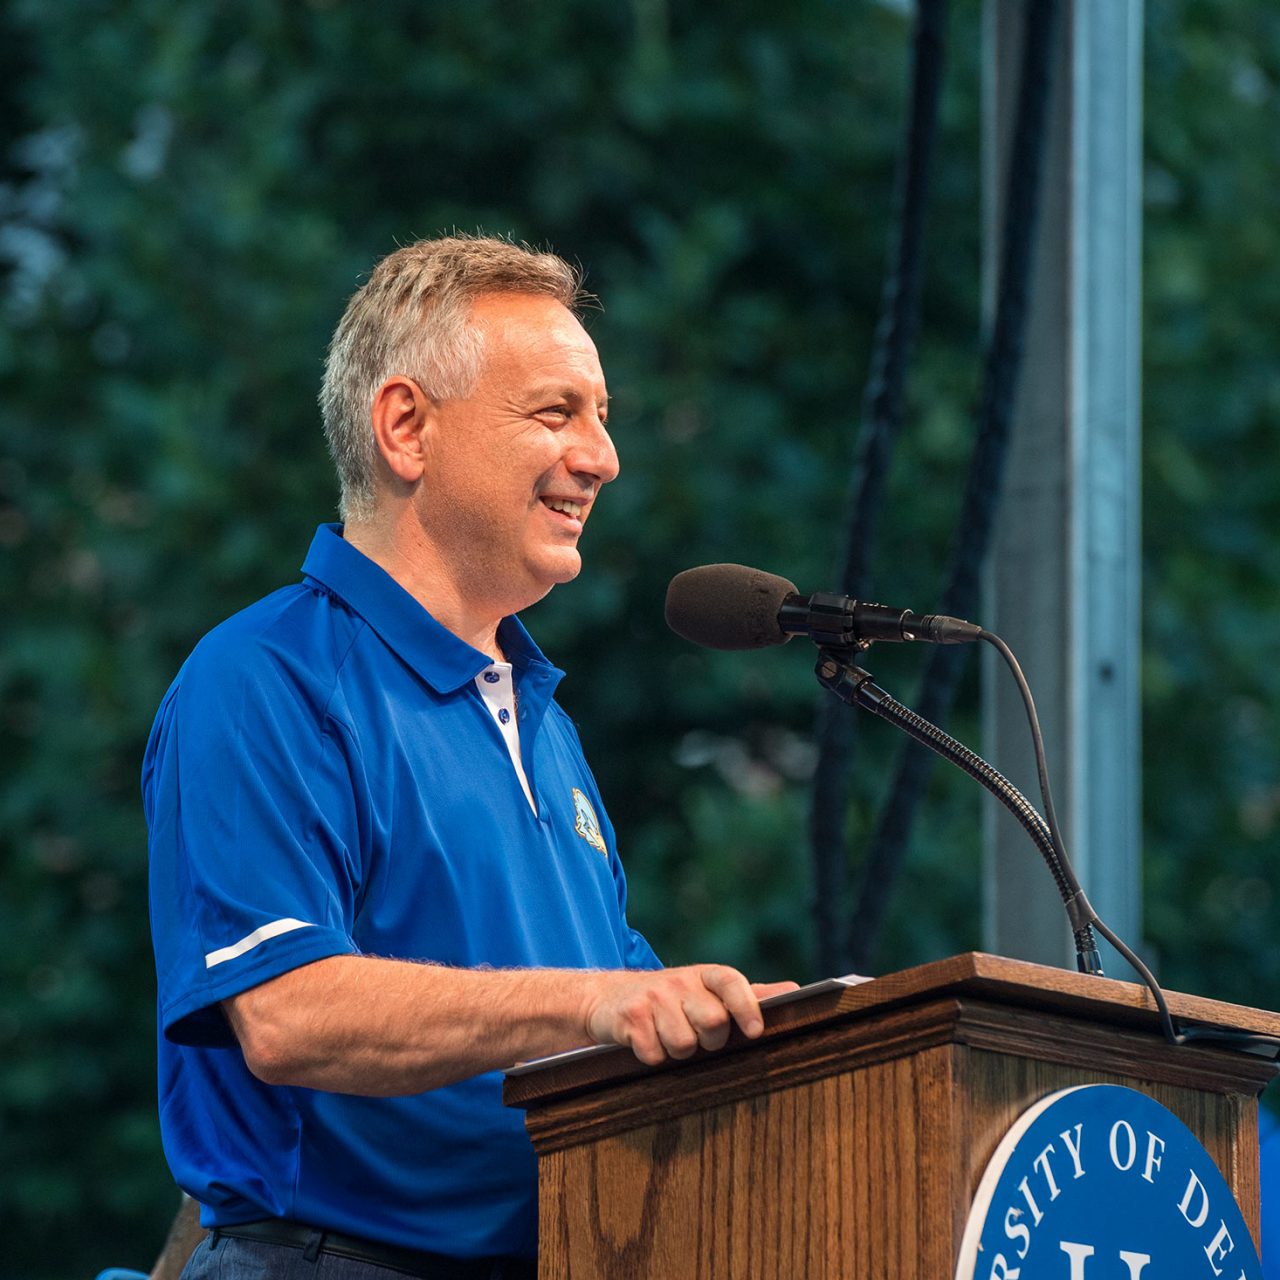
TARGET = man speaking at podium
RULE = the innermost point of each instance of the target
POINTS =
(380, 867)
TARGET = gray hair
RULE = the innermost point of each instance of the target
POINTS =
(410, 318)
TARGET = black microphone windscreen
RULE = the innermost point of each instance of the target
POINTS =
(727, 606)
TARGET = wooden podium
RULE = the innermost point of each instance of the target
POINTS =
(849, 1139)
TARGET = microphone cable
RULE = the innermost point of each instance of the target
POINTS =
(1249, 1041)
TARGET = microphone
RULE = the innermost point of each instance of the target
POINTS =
(731, 606)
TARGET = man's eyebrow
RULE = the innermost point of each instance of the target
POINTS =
(557, 391)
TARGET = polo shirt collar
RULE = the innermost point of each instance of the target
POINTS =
(441, 658)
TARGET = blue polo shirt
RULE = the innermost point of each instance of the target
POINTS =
(324, 777)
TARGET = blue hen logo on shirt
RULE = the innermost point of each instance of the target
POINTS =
(585, 822)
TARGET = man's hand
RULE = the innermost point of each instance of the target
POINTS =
(671, 1012)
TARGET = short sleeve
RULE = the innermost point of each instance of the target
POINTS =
(253, 830)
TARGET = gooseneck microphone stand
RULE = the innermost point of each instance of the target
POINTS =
(854, 686)
(837, 672)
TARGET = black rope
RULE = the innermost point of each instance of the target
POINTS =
(1002, 367)
(882, 414)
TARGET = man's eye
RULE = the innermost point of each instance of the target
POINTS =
(558, 411)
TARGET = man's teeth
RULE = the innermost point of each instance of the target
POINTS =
(569, 508)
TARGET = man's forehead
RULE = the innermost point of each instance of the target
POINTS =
(507, 310)
(532, 330)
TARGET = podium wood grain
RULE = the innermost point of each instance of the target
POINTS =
(848, 1142)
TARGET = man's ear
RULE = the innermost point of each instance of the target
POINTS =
(401, 415)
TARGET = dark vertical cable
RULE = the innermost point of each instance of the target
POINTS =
(881, 420)
(1002, 367)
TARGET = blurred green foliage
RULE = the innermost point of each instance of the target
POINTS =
(187, 196)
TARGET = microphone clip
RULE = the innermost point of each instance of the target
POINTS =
(837, 622)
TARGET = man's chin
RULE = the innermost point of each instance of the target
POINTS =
(564, 567)
(549, 572)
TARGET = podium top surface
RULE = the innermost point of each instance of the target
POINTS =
(973, 975)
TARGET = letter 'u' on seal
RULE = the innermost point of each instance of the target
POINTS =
(1136, 1262)
(1077, 1253)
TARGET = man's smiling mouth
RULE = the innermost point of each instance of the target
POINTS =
(565, 505)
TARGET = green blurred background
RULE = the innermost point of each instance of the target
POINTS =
(189, 193)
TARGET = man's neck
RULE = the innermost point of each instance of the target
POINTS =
(412, 561)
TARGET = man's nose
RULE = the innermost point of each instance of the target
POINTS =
(593, 453)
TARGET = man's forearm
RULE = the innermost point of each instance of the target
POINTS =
(356, 1024)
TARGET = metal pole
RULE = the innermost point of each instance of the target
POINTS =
(1063, 585)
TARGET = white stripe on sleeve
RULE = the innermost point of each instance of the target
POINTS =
(251, 940)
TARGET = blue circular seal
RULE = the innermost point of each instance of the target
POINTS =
(1103, 1183)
